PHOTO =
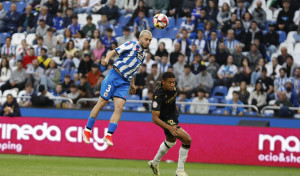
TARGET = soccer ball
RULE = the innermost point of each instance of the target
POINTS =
(160, 21)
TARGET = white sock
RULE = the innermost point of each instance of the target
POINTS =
(183, 154)
(163, 149)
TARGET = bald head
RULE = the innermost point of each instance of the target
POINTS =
(145, 32)
(145, 39)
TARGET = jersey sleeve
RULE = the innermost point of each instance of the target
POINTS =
(124, 47)
(156, 103)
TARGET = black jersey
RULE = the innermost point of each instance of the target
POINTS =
(165, 102)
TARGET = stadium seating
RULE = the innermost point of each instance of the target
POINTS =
(212, 100)
(172, 33)
(132, 106)
(153, 46)
(96, 18)
(218, 111)
(171, 23)
(63, 73)
(6, 5)
(282, 36)
(159, 33)
(21, 7)
(230, 91)
(123, 20)
(179, 21)
(17, 38)
(290, 37)
(82, 19)
(20, 94)
(30, 38)
(219, 92)
(118, 30)
(3, 37)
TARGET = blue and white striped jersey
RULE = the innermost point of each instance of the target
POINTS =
(131, 57)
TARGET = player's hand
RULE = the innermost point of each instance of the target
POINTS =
(173, 130)
(104, 62)
(132, 89)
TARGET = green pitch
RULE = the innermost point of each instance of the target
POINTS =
(24, 165)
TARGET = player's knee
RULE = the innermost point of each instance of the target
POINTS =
(188, 140)
(170, 144)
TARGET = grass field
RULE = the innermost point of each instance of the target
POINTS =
(24, 165)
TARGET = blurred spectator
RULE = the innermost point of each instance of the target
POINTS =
(140, 23)
(234, 110)
(42, 28)
(85, 83)
(229, 24)
(212, 11)
(159, 6)
(194, 52)
(285, 17)
(4, 71)
(244, 93)
(291, 93)
(261, 47)
(67, 83)
(34, 73)
(256, 73)
(174, 55)
(38, 47)
(208, 28)
(279, 82)
(51, 42)
(79, 39)
(187, 24)
(147, 106)
(58, 23)
(224, 14)
(108, 39)
(98, 52)
(222, 54)
(89, 28)
(68, 17)
(141, 7)
(241, 35)
(200, 109)
(187, 81)
(140, 80)
(8, 51)
(296, 35)
(69, 53)
(272, 39)
(73, 94)
(161, 51)
(297, 17)
(204, 80)
(247, 21)
(229, 2)
(17, 79)
(149, 62)
(226, 73)
(284, 103)
(213, 67)
(196, 64)
(84, 6)
(85, 50)
(181, 107)
(267, 84)
(238, 55)
(59, 92)
(10, 108)
(85, 65)
(179, 66)
(29, 57)
(290, 66)
(94, 40)
(26, 102)
(52, 6)
(97, 87)
(26, 21)
(127, 36)
(129, 7)
(200, 43)
(104, 25)
(273, 69)
(284, 54)
(230, 42)
(83, 93)
(174, 9)
(3, 12)
(74, 27)
(109, 67)
(93, 75)
(243, 74)
(297, 81)
(241, 9)
(185, 43)
(153, 78)
(197, 8)
(201, 20)
(43, 15)
(42, 99)
(51, 78)
(188, 6)
(163, 64)
(64, 5)
(43, 59)
(11, 19)
(254, 55)
(258, 97)
(256, 32)
(212, 44)
(111, 11)
(259, 15)
(21, 50)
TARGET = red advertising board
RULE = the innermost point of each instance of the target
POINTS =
(140, 140)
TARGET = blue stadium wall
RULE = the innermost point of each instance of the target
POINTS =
(146, 117)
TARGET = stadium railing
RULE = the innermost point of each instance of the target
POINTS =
(51, 98)
(179, 103)
(277, 108)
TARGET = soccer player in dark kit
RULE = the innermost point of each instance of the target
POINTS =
(165, 115)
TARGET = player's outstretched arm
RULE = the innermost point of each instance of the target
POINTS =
(157, 121)
(109, 55)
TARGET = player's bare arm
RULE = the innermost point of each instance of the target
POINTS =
(109, 55)
(155, 118)
(132, 86)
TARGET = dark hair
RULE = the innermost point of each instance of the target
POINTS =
(126, 28)
(28, 84)
(201, 90)
(74, 16)
(67, 76)
(167, 75)
(289, 56)
(282, 69)
(235, 92)
(109, 30)
(42, 88)
(82, 88)
(261, 89)
(20, 61)
(67, 47)
(187, 66)
(40, 38)
(59, 11)
(7, 64)
(42, 20)
(49, 30)
(144, 65)
(73, 85)
(44, 49)
(83, 76)
(154, 65)
(89, 17)
(264, 69)
(9, 95)
(95, 65)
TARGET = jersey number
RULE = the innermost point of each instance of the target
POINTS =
(108, 89)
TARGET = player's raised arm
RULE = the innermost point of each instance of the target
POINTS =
(109, 55)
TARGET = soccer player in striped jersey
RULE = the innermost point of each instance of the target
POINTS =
(118, 82)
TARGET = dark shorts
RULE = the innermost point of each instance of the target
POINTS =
(171, 122)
